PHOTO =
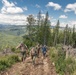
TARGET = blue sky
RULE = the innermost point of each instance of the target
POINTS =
(16, 11)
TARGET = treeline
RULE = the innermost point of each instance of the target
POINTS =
(39, 31)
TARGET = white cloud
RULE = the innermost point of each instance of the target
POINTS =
(63, 24)
(63, 16)
(24, 8)
(11, 8)
(67, 10)
(7, 4)
(55, 5)
(11, 19)
(10, 14)
(38, 6)
(44, 16)
(53, 23)
(71, 23)
(70, 7)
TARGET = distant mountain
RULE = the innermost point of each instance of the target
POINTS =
(16, 29)
(54, 27)
(13, 29)
(11, 26)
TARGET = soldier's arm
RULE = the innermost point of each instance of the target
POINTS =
(18, 46)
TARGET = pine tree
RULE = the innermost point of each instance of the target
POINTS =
(47, 29)
(70, 36)
(74, 36)
(44, 30)
(65, 34)
(39, 18)
(56, 33)
(38, 26)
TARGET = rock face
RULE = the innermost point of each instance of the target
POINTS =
(70, 52)
(7, 51)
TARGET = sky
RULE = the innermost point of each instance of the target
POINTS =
(15, 12)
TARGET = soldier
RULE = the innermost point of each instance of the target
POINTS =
(44, 50)
(23, 49)
(33, 54)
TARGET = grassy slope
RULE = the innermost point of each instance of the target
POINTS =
(9, 40)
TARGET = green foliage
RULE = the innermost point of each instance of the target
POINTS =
(70, 65)
(56, 33)
(29, 42)
(13, 49)
(6, 62)
(59, 46)
(44, 31)
(41, 33)
(74, 37)
(9, 40)
(63, 66)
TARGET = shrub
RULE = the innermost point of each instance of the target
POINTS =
(63, 66)
(13, 49)
(8, 61)
(70, 65)
(58, 46)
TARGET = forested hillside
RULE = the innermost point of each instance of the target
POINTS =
(7, 40)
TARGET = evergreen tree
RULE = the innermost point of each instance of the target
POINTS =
(70, 36)
(44, 30)
(39, 18)
(56, 33)
(38, 26)
(74, 36)
(65, 34)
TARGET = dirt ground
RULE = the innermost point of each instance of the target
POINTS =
(42, 67)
